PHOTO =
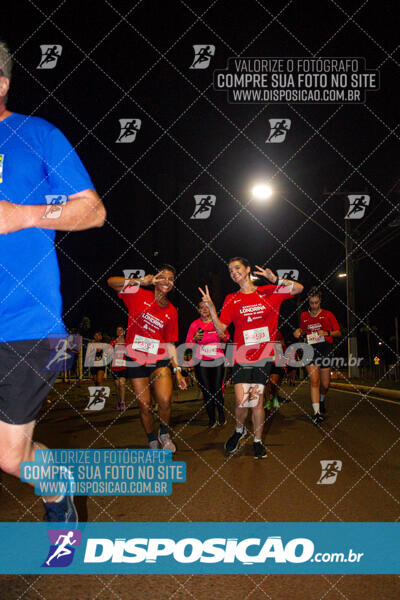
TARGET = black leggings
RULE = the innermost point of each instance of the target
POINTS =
(210, 382)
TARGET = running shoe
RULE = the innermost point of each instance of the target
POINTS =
(166, 442)
(63, 511)
(317, 419)
(259, 450)
(267, 405)
(153, 445)
(222, 421)
(322, 407)
(121, 406)
(275, 403)
(212, 424)
(232, 444)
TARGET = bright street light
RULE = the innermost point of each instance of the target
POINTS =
(342, 275)
(261, 191)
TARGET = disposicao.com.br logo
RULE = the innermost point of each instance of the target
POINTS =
(247, 551)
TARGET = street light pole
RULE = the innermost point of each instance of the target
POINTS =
(352, 345)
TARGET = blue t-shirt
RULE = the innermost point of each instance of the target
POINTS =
(36, 161)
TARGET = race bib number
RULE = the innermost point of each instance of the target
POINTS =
(314, 338)
(145, 344)
(119, 362)
(208, 349)
(256, 336)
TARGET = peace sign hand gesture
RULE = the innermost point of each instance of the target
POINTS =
(206, 298)
(267, 273)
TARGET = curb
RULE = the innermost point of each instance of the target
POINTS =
(376, 391)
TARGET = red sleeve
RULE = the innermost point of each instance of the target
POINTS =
(171, 330)
(192, 330)
(303, 326)
(226, 312)
(130, 299)
(268, 290)
(334, 325)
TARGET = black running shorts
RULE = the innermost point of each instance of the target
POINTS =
(251, 373)
(24, 380)
(140, 371)
(323, 355)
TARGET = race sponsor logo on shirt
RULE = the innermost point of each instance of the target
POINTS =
(250, 309)
(152, 320)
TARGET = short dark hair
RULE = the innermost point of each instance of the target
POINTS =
(240, 259)
(315, 291)
(167, 267)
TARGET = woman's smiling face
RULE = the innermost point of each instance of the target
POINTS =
(238, 272)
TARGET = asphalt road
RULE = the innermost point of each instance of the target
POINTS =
(363, 434)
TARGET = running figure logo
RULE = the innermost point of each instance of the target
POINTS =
(291, 274)
(330, 470)
(251, 395)
(129, 129)
(50, 55)
(279, 129)
(357, 206)
(131, 288)
(98, 397)
(204, 204)
(62, 352)
(62, 547)
(55, 204)
(202, 56)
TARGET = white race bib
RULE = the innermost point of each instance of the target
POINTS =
(208, 349)
(119, 362)
(145, 344)
(314, 338)
(256, 336)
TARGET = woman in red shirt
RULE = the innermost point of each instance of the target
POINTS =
(210, 363)
(152, 331)
(318, 326)
(254, 312)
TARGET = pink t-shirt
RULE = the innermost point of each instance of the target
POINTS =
(209, 347)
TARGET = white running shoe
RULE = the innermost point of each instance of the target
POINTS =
(153, 445)
(166, 442)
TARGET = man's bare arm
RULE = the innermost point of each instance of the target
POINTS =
(83, 210)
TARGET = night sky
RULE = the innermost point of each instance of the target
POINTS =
(132, 60)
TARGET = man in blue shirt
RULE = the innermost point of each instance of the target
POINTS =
(43, 187)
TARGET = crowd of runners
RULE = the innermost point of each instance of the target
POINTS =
(258, 360)
(44, 187)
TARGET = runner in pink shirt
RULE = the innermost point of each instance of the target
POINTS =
(210, 363)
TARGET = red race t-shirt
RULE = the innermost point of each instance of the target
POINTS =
(325, 320)
(150, 326)
(255, 318)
